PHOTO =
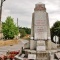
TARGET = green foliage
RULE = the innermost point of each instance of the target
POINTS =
(9, 29)
(24, 30)
(55, 30)
(27, 30)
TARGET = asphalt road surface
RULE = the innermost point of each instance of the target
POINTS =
(5, 49)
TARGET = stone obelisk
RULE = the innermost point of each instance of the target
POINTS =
(40, 27)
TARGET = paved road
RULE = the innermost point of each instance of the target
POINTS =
(16, 47)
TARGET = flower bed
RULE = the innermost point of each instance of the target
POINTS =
(10, 55)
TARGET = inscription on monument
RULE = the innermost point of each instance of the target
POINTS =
(40, 26)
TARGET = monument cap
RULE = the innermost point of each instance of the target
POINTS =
(40, 7)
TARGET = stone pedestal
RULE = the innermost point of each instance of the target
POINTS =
(49, 45)
(32, 44)
(43, 56)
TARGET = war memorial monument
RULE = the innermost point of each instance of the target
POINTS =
(40, 33)
(40, 43)
(40, 46)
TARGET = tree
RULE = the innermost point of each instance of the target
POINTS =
(9, 29)
(22, 32)
(27, 30)
(55, 30)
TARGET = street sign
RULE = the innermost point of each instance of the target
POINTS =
(56, 39)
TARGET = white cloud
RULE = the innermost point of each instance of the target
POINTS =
(23, 10)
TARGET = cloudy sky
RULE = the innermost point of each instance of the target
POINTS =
(23, 9)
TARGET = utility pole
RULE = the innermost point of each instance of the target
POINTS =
(1, 4)
(17, 22)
